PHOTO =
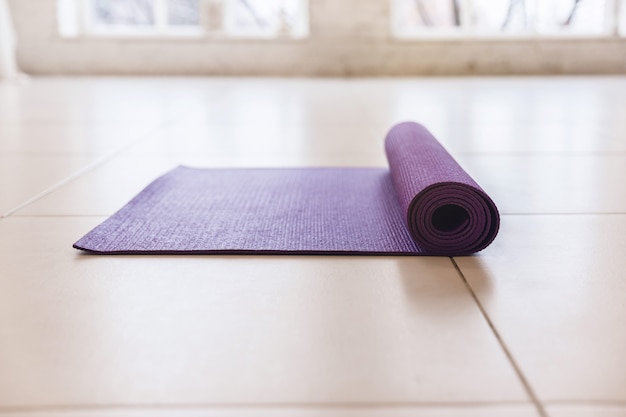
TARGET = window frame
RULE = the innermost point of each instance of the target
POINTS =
(160, 28)
(615, 28)
(78, 22)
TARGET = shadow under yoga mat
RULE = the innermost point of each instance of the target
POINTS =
(424, 204)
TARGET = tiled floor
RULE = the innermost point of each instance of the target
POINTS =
(532, 326)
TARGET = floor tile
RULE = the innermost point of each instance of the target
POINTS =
(103, 190)
(476, 411)
(80, 329)
(23, 177)
(304, 336)
(243, 139)
(488, 100)
(528, 138)
(282, 102)
(554, 288)
(77, 138)
(92, 100)
(106, 188)
(586, 183)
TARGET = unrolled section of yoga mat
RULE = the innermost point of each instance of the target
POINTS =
(425, 204)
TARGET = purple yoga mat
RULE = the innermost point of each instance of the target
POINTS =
(424, 204)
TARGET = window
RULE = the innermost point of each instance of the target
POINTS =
(419, 18)
(230, 18)
(148, 16)
(266, 18)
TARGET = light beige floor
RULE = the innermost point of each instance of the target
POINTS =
(532, 326)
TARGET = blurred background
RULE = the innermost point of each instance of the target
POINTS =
(313, 37)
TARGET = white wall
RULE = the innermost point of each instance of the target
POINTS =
(348, 37)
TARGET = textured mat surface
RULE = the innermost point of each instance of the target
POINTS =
(424, 204)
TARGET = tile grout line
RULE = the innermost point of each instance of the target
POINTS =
(529, 391)
(41, 216)
(608, 213)
(95, 164)
(590, 403)
(540, 153)
(89, 167)
(265, 406)
(99, 161)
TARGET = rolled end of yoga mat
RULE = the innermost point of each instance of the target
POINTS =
(447, 213)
